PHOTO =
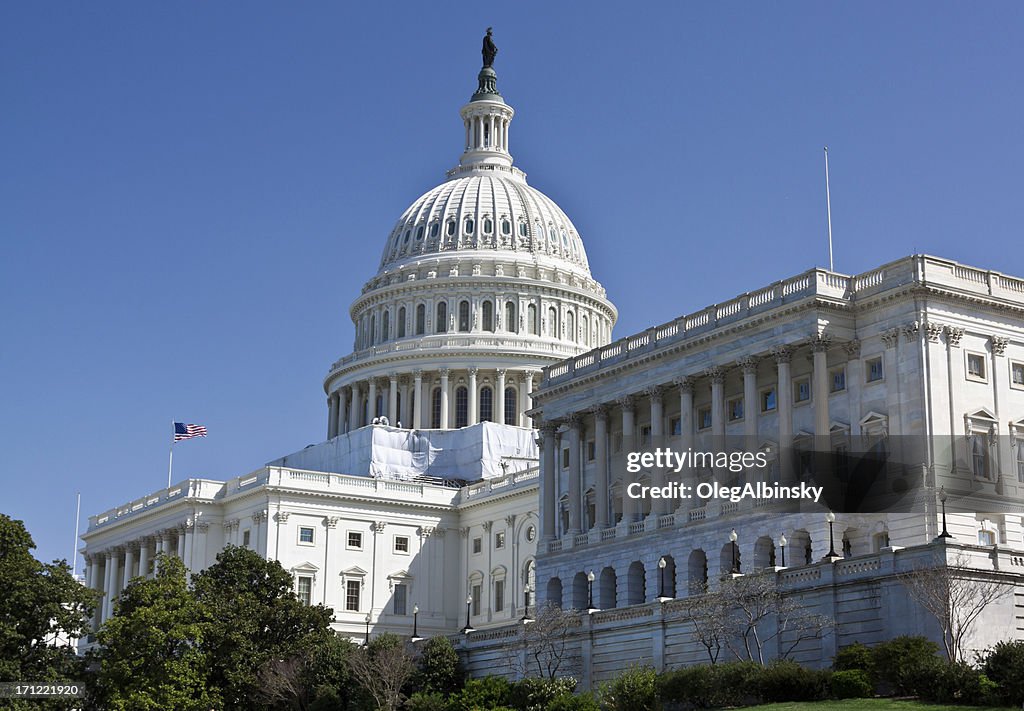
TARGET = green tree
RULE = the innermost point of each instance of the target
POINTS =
(439, 667)
(39, 603)
(150, 655)
(317, 678)
(382, 669)
(253, 618)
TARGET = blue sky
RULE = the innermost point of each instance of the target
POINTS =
(191, 194)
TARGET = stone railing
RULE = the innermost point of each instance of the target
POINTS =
(190, 488)
(501, 484)
(815, 283)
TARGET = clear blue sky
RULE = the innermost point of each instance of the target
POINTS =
(191, 194)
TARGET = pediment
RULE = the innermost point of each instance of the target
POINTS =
(982, 414)
(306, 567)
(354, 571)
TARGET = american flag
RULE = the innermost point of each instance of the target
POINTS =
(183, 431)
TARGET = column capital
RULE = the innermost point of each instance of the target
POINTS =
(782, 354)
(654, 392)
(203, 527)
(600, 412)
(933, 331)
(464, 532)
(331, 521)
(748, 364)
(716, 373)
(953, 336)
(445, 372)
(132, 546)
(821, 342)
(510, 520)
(911, 331)
(403, 380)
(891, 337)
(259, 517)
(626, 402)
(426, 531)
(500, 372)
(685, 383)
(472, 370)
(378, 526)
(852, 348)
(487, 525)
(392, 378)
(418, 373)
(282, 516)
(999, 344)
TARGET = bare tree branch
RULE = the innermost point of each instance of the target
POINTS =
(542, 648)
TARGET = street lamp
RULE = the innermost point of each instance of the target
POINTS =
(782, 545)
(590, 590)
(732, 540)
(367, 621)
(526, 603)
(831, 517)
(661, 576)
(942, 500)
(469, 602)
(415, 622)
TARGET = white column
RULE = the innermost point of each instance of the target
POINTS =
(575, 475)
(444, 398)
(144, 557)
(353, 408)
(822, 423)
(499, 398)
(549, 481)
(686, 433)
(108, 585)
(181, 544)
(417, 413)
(659, 506)
(717, 376)
(601, 499)
(750, 404)
(332, 415)
(784, 406)
(405, 411)
(393, 399)
(129, 563)
(630, 507)
(527, 397)
(474, 398)
(190, 533)
(1006, 466)
(371, 408)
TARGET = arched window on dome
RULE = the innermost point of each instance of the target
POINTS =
(506, 227)
(435, 409)
(408, 233)
(464, 316)
(570, 326)
(434, 229)
(486, 404)
(373, 328)
(469, 227)
(488, 316)
(421, 319)
(585, 328)
(553, 322)
(511, 320)
(511, 415)
(442, 317)
(531, 320)
(401, 323)
(461, 406)
(451, 228)
(385, 325)
(522, 228)
(488, 226)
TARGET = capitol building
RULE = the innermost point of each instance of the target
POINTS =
(477, 436)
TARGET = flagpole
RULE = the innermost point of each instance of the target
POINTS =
(170, 458)
(828, 211)
(74, 549)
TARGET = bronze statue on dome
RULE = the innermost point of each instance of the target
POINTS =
(489, 49)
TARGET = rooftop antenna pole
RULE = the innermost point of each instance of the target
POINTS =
(74, 549)
(170, 457)
(828, 212)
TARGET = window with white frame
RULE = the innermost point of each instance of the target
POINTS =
(400, 598)
(246, 536)
(565, 458)
(873, 370)
(1016, 375)
(986, 538)
(645, 435)
(735, 409)
(499, 539)
(837, 380)
(980, 457)
(801, 390)
(477, 593)
(675, 426)
(704, 418)
(352, 590)
(768, 400)
(304, 589)
(1019, 446)
(975, 366)
(499, 595)
(478, 545)
(402, 544)
(591, 450)
(306, 535)
(354, 541)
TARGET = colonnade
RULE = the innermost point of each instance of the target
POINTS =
(435, 399)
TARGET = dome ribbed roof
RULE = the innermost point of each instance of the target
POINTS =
(483, 212)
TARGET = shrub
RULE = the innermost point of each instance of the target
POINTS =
(1004, 665)
(490, 692)
(439, 667)
(788, 681)
(851, 684)
(855, 656)
(690, 685)
(574, 702)
(895, 659)
(736, 683)
(633, 690)
(940, 681)
(423, 701)
(533, 694)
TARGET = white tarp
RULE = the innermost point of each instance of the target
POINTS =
(380, 451)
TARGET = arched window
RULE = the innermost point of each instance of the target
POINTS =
(580, 590)
(531, 320)
(451, 228)
(511, 321)
(488, 226)
(469, 227)
(434, 229)
(463, 315)
(636, 584)
(697, 572)
(401, 322)
(435, 409)
(421, 319)
(585, 327)
(488, 315)
(553, 322)
(408, 233)
(373, 328)
(554, 593)
(511, 416)
(385, 326)
(506, 227)
(461, 406)
(522, 229)
(419, 232)
(486, 404)
(570, 326)
(606, 589)
(589, 509)
(442, 318)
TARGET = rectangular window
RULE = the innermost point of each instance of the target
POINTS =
(565, 458)
(401, 595)
(1017, 374)
(352, 588)
(499, 595)
(306, 535)
(873, 369)
(645, 435)
(499, 539)
(801, 390)
(477, 594)
(245, 537)
(304, 589)
(735, 409)
(837, 380)
(401, 544)
(986, 538)
(355, 541)
(591, 450)
(675, 426)
(477, 545)
(975, 366)
(704, 418)
(768, 400)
